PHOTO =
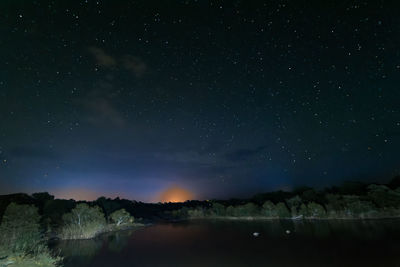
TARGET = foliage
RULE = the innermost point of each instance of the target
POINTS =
(121, 217)
(383, 196)
(269, 209)
(196, 213)
(356, 207)
(217, 209)
(53, 210)
(108, 205)
(304, 211)
(310, 195)
(20, 228)
(42, 259)
(83, 222)
(294, 204)
(246, 210)
(21, 241)
(316, 210)
(282, 210)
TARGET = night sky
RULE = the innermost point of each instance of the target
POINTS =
(221, 98)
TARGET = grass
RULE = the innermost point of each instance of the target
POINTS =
(92, 230)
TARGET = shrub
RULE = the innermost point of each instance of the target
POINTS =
(20, 228)
(217, 209)
(282, 210)
(304, 211)
(249, 209)
(21, 242)
(83, 222)
(355, 207)
(121, 217)
(294, 204)
(316, 210)
(269, 209)
(196, 213)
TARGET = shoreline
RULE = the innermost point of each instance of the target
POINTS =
(108, 229)
(260, 218)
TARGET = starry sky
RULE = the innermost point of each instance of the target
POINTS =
(220, 98)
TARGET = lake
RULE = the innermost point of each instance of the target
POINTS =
(232, 243)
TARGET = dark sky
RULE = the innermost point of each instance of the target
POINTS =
(223, 98)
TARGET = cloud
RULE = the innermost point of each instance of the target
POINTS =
(134, 64)
(244, 154)
(131, 63)
(102, 59)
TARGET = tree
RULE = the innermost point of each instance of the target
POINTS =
(335, 206)
(248, 209)
(303, 211)
(282, 210)
(316, 210)
(121, 217)
(383, 196)
(356, 207)
(217, 209)
(20, 228)
(108, 205)
(21, 242)
(294, 204)
(83, 222)
(269, 209)
(42, 197)
(311, 195)
(55, 209)
(196, 213)
(230, 211)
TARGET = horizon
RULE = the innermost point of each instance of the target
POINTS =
(155, 201)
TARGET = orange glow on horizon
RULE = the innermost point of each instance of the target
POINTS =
(176, 194)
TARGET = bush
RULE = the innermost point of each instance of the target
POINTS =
(121, 217)
(83, 222)
(217, 209)
(282, 210)
(269, 209)
(196, 213)
(355, 207)
(245, 210)
(294, 204)
(383, 196)
(315, 210)
(20, 228)
(21, 242)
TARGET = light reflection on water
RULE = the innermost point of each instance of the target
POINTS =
(231, 243)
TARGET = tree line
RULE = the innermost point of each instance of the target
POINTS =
(27, 222)
(352, 200)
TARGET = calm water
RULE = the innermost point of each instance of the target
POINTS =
(231, 243)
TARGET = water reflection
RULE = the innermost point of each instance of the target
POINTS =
(231, 243)
(79, 252)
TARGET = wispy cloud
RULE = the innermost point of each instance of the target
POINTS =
(134, 64)
(102, 58)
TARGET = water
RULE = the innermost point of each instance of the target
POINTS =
(231, 243)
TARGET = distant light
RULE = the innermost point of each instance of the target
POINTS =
(176, 194)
